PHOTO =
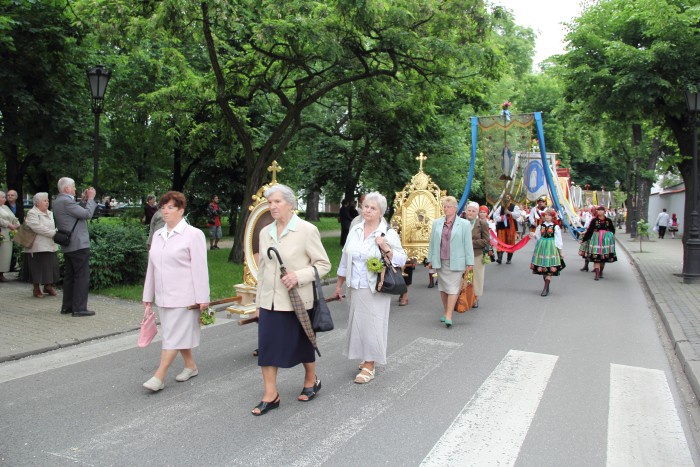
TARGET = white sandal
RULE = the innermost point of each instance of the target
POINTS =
(362, 378)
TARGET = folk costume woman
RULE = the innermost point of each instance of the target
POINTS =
(587, 216)
(547, 260)
(506, 224)
(601, 238)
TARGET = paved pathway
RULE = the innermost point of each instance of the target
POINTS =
(31, 326)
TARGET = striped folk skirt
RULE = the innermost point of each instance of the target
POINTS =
(601, 248)
(546, 260)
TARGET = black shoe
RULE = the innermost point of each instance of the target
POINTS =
(310, 392)
(265, 407)
(476, 304)
(499, 261)
(508, 262)
(66, 312)
(83, 313)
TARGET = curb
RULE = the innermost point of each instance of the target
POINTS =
(61, 345)
(684, 351)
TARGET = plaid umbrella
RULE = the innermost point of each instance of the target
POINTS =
(297, 303)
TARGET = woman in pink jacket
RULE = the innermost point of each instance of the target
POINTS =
(177, 277)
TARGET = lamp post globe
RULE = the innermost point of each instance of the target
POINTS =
(98, 78)
(691, 260)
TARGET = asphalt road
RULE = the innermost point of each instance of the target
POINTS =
(577, 378)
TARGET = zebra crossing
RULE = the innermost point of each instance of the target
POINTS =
(643, 425)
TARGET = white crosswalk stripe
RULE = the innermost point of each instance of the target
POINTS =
(643, 425)
(492, 426)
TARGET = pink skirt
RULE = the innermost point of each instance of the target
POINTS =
(180, 328)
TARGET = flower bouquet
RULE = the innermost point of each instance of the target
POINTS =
(207, 317)
(375, 264)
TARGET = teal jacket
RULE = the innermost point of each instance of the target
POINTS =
(461, 251)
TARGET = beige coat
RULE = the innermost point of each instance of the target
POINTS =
(7, 219)
(44, 227)
(300, 249)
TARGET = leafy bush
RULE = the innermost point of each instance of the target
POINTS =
(118, 254)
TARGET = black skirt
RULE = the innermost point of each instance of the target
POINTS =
(282, 341)
(41, 268)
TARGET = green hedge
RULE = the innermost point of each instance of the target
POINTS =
(118, 254)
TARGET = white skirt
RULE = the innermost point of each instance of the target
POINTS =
(368, 325)
(180, 328)
(449, 281)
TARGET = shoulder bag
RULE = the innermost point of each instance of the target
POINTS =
(390, 280)
(25, 236)
(148, 328)
(62, 237)
(321, 320)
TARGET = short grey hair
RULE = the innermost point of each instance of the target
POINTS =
(378, 198)
(40, 196)
(473, 204)
(2, 194)
(64, 182)
(287, 193)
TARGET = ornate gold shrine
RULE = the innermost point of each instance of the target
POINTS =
(415, 209)
(259, 218)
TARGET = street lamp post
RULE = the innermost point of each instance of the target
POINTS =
(98, 78)
(636, 141)
(691, 265)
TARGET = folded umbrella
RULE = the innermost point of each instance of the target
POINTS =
(297, 303)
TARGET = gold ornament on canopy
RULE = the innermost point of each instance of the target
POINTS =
(415, 209)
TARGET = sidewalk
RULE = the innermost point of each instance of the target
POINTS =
(660, 265)
(31, 325)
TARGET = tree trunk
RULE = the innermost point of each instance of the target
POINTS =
(312, 200)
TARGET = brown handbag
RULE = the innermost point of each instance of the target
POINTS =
(466, 297)
(24, 236)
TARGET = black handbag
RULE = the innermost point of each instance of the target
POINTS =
(62, 237)
(390, 280)
(321, 320)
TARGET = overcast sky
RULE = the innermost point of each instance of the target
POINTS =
(545, 18)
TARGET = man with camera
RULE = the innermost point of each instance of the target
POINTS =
(71, 217)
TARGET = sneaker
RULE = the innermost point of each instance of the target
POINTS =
(154, 384)
(186, 374)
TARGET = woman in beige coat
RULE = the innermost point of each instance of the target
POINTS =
(8, 223)
(282, 342)
(42, 261)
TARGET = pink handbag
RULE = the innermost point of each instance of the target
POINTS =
(148, 328)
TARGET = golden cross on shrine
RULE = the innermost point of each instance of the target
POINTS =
(274, 168)
(420, 159)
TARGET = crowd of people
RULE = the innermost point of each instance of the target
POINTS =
(177, 280)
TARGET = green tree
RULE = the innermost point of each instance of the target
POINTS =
(43, 95)
(632, 60)
(271, 62)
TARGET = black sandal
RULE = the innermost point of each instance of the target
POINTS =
(255, 353)
(310, 392)
(265, 407)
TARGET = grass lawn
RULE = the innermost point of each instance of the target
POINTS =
(224, 275)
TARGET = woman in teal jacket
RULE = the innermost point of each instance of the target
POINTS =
(451, 254)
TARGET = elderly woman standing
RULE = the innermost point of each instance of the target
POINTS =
(451, 253)
(368, 323)
(480, 240)
(282, 342)
(41, 257)
(178, 277)
(8, 223)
